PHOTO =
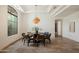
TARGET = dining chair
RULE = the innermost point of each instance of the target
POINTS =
(23, 38)
(47, 37)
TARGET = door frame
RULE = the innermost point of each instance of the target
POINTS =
(61, 26)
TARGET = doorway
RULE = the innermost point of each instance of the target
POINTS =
(58, 28)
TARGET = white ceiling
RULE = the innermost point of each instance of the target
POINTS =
(37, 8)
(60, 10)
(68, 11)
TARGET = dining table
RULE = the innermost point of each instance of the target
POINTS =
(36, 38)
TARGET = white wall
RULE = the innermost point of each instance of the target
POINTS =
(66, 21)
(4, 38)
(46, 22)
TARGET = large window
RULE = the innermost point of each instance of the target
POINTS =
(12, 21)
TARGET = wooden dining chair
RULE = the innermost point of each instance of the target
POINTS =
(23, 38)
(47, 37)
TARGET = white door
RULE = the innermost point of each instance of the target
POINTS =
(59, 28)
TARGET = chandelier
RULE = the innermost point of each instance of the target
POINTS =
(36, 20)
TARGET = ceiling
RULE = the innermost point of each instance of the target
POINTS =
(37, 8)
(58, 11)
(68, 11)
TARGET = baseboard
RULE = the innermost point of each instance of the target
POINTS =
(10, 44)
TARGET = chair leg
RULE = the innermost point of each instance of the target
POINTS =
(24, 42)
(28, 42)
(22, 39)
(44, 42)
(37, 44)
(49, 40)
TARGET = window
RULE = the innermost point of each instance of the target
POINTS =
(12, 21)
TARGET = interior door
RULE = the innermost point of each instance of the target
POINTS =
(58, 28)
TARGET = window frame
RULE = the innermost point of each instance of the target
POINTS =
(16, 22)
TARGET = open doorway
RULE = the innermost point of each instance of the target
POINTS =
(58, 28)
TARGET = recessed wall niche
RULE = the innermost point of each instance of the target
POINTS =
(72, 26)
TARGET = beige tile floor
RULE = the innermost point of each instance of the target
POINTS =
(58, 45)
